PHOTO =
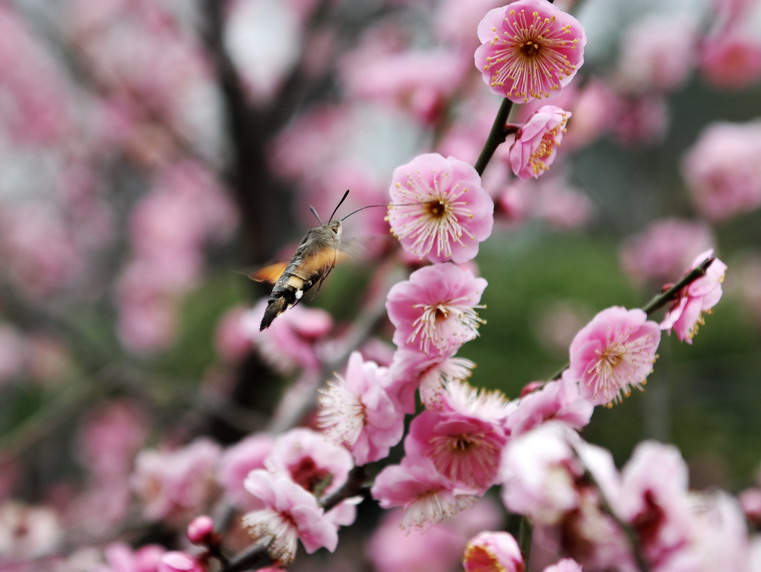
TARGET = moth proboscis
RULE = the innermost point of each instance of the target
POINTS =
(317, 254)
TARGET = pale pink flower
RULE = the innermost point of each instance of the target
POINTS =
(550, 199)
(435, 310)
(612, 354)
(662, 250)
(293, 341)
(536, 143)
(311, 460)
(431, 549)
(464, 447)
(28, 531)
(438, 208)
(721, 169)
(493, 551)
(559, 400)
(426, 496)
(122, 558)
(686, 314)
(657, 52)
(564, 565)
(230, 340)
(357, 411)
(654, 499)
(173, 485)
(176, 561)
(285, 513)
(411, 370)
(417, 81)
(540, 473)
(529, 49)
(239, 460)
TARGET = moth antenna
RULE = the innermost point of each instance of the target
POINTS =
(338, 206)
(363, 208)
(314, 212)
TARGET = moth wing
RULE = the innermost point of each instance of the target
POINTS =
(269, 273)
(323, 259)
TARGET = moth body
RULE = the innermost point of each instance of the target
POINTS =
(316, 256)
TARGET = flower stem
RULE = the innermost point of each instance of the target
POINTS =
(526, 532)
(496, 136)
(673, 292)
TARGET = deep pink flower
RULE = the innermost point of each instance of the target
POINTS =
(731, 59)
(200, 530)
(536, 143)
(311, 460)
(686, 314)
(122, 558)
(463, 447)
(357, 411)
(435, 310)
(438, 208)
(612, 354)
(529, 49)
(285, 512)
(426, 496)
(493, 551)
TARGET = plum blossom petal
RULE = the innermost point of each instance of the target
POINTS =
(435, 310)
(612, 354)
(530, 49)
(285, 512)
(438, 209)
(493, 551)
(686, 314)
(357, 411)
(536, 143)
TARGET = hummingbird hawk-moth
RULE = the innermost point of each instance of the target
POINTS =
(317, 254)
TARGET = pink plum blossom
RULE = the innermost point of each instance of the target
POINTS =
(559, 400)
(721, 169)
(121, 558)
(438, 209)
(411, 370)
(426, 496)
(529, 49)
(657, 52)
(435, 310)
(640, 119)
(357, 411)
(493, 551)
(662, 250)
(285, 512)
(564, 565)
(540, 473)
(463, 440)
(686, 314)
(654, 499)
(239, 460)
(176, 561)
(731, 59)
(311, 460)
(200, 530)
(537, 142)
(174, 484)
(612, 354)
(293, 341)
(432, 548)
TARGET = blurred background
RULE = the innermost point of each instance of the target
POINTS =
(153, 152)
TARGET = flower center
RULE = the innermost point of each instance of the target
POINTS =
(611, 357)
(530, 48)
(438, 208)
